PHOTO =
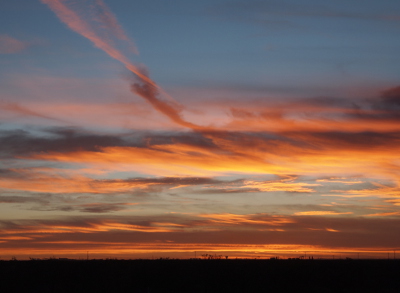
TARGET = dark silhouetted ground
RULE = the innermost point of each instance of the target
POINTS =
(200, 276)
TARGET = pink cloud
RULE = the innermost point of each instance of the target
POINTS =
(9, 45)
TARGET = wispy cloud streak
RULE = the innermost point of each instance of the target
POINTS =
(145, 87)
(64, 11)
(9, 45)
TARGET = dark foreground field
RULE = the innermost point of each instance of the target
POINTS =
(200, 276)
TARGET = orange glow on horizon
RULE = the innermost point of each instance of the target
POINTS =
(184, 250)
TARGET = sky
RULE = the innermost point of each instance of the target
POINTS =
(242, 128)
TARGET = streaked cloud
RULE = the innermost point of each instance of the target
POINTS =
(284, 185)
(321, 213)
(260, 219)
(389, 214)
(10, 45)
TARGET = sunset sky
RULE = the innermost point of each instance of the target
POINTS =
(153, 128)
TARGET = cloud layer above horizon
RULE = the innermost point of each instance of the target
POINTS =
(248, 127)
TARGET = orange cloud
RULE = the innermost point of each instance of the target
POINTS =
(104, 226)
(331, 230)
(46, 180)
(229, 156)
(341, 180)
(42, 182)
(391, 193)
(252, 219)
(321, 213)
(164, 160)
(7, 238)
(269, 186)
(388, 214)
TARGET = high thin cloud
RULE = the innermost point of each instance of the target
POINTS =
(10, 45)
(68, 12)
(105, 16)
(23, 111)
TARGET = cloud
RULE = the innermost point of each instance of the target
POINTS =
(75, 17)
(321, 213)
(52, 180)
(180, 233)
(389, 214)
(9, 45)
(150, 93)
(96, 208)
(208, 153)
(105, 16)
(343, 180)
(391, 99)
(391, 194)
(317, 114)
(22, 142)
(24, 111)
(25, 199)
(282, 185)
(243, 186)
(252, 219)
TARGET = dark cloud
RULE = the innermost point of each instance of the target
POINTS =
(170, 181)
(9, 173)
(194, 139)
(390, 100)
(384, 108)
(96, 208)
(25, 199)
(102, 208)
(22, 142)
(226, 190)
(149, 92)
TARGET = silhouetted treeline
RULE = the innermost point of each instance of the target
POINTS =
(196, 275)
